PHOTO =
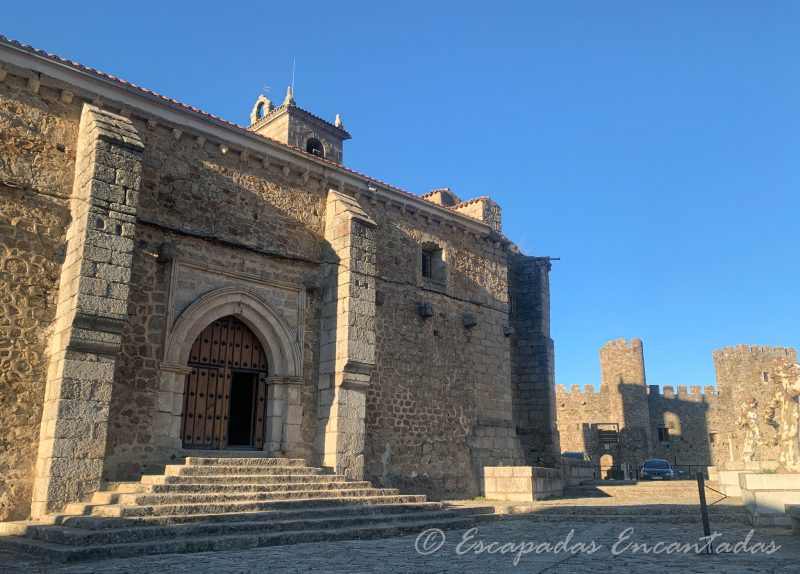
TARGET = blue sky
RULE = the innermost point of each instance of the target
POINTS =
(653, 146)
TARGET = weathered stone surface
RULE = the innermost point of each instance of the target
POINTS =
(420, 404)
(67, 470)
(748, 419)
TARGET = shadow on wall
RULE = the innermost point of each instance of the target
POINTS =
(634, 422)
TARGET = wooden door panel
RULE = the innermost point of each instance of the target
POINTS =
(224, 346)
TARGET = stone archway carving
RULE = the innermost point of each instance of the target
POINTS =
(284, 355)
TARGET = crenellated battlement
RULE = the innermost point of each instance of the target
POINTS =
(692, 392)
(741, 351)
(622, 343)
(586, 390)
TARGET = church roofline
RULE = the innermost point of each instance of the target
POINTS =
(108, 88)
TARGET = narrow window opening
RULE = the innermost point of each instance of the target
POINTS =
(663, 434)
(260, 108)
(765, 375)
(432, 263)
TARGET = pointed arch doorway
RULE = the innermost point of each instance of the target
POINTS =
(226, 394)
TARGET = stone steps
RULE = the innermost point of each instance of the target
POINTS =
(343, 490)
(67, 553)
(225, 503)
(271, 478)
(319, 511)
(249, 462)
(217, 470)
(252, 486)
(250, 506)
(139, 532)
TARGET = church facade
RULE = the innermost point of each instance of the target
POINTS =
(171, 282)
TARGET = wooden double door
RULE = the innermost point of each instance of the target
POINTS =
(226, 394)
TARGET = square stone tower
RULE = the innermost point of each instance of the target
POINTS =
(301, 129)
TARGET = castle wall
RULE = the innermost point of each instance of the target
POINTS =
(686, 415)
(704, 426)
(578, 412)
(740, 374)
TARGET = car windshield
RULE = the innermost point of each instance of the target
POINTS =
(657, 464)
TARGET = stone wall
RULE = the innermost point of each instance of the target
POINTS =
(685, 415)
(746, 373)
(436, 363)
(91, 311)
(440, 404)
(219, 210)
(38, 135)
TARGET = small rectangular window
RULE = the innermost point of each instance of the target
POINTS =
(765, 374)
(712, 438)
(432, 263)
(663, 434)
(427, 264)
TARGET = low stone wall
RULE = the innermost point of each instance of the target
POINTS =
(728, 474)
(521, 483)
(766, 497)
(576, 472)
(547, 483)
(793, 512)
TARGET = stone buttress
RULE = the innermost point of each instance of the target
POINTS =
(347, 341)
(91, 313)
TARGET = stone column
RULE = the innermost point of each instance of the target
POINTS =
(347, 342)
(169, 417)
(284, 416)
(91, 313)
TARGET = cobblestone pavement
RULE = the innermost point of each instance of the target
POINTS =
(399, 554)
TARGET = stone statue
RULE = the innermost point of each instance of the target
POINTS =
(783, 414)
(749, 420)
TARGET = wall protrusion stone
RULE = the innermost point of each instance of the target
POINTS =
(91, 312)
(347, 342)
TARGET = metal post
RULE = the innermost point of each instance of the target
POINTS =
(701, 488)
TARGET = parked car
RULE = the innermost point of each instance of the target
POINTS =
(656, 469)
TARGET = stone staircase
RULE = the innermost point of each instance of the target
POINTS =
(228, 503)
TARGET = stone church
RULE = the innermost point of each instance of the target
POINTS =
(171, 282)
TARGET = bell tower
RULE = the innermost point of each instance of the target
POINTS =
(295, 126)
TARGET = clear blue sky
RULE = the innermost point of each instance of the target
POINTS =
(653, 145)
